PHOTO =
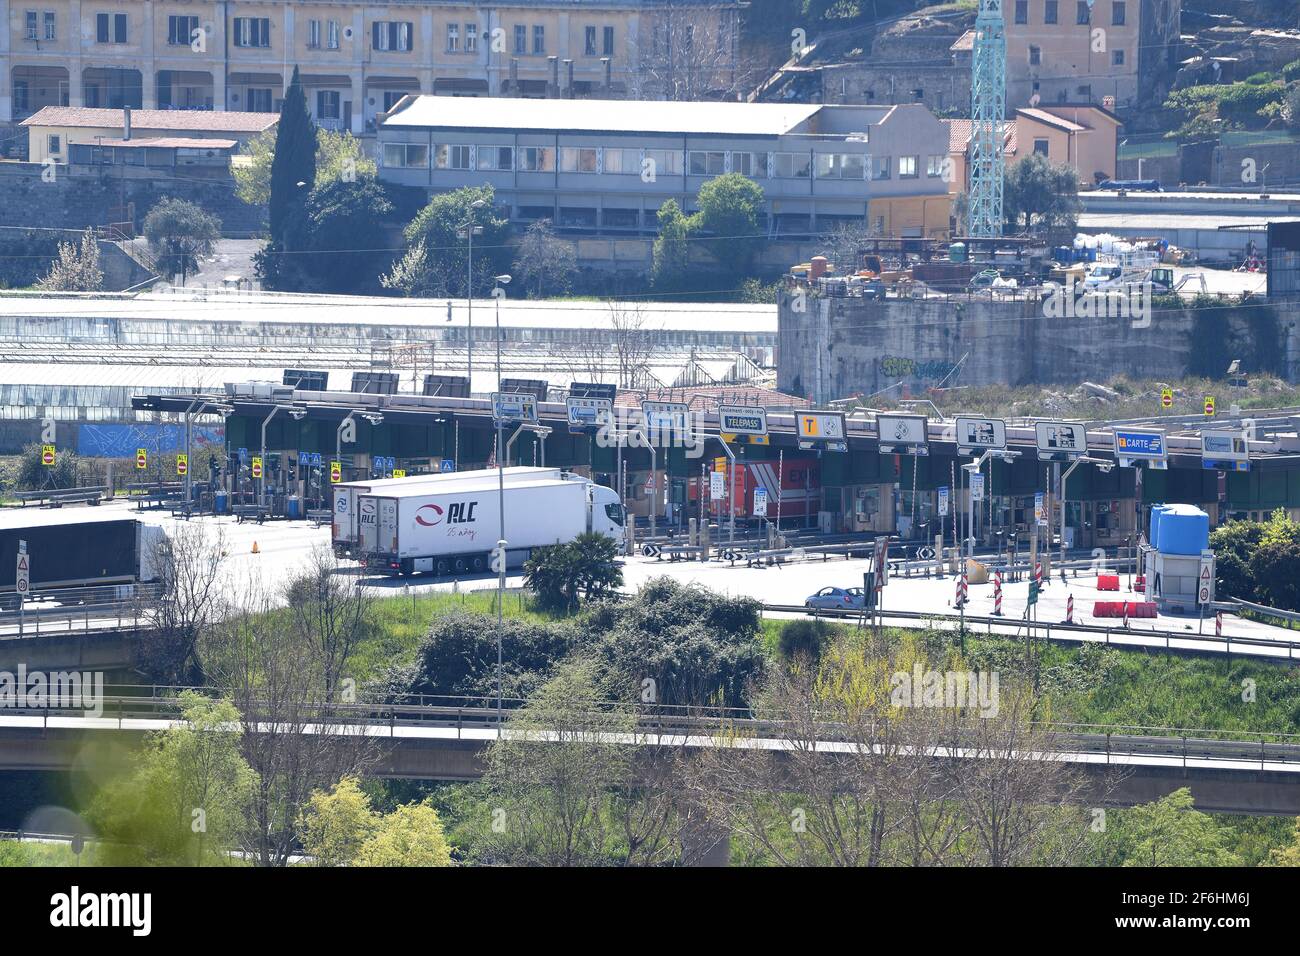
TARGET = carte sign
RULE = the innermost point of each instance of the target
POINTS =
(980, 434)
(1134, 446)
(904, 434)
(1060, 440)
(826, 428)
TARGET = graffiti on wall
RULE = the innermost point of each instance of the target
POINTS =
(122, 440)
(895, 367)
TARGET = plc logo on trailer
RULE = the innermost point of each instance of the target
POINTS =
(458, 512)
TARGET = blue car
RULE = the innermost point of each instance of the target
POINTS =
(836, 599)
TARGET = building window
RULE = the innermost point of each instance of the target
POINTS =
(327, 104)
(589, 41)
(1050, 11)
(575, 159)
(1118, 13)
(32, 33)
(1083, 12)
(110, 27)
(406, 156)
(1022, 11)
(521, 39)
(181, 30)
(664, 162)
(880, 167)
(1035, 56)
(332, 35)
(259, 100)
(496, 158)
(537, 159)
(391, 36)
(840, 166)
(313, 34)
(53, 144)
(753, 165)
(471, 37)
(608, 41)
(934, 165)
(453, 38)
(1117, 57)
(539, 40)
(49, 25)
(703, 163)
(1041, 146)
(621, 161)
(391, 99)
(452, 157)
(907, 167)
(791, 165)
(252, 31)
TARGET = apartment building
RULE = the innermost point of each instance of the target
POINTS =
(1116, 53)
(356, 60)
(1083, 136)
(607, 166)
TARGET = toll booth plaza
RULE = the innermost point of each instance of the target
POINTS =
(786, 474)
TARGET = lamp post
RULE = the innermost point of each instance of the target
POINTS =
(261, 482)
(498, 293)
(467, 230)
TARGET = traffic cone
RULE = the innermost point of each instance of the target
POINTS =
(256, 549)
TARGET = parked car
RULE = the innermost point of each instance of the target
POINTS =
(836, 599)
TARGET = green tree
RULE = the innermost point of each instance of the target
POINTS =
(804, 637)
(560, 574)
(1275, 563)
(33, 475)
(339, 157)
(1170, 832)
(1037, 193)
(184, 802)
(76, 268)
(548, 797)
(334, 825)
(1288, 854)
(180, 233)
(730, 220)
(670, 262)
(293, 166)
(544, 263)
(1233, 544)
(435, 260)
(343, 238)
(412, 835)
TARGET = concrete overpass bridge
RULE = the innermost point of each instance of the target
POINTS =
(1225, 771)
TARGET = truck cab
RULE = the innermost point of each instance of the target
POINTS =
(606, 514)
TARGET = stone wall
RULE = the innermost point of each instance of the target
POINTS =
(75, 200)
(837, 347)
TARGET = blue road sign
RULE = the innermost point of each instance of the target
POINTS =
(447, 465)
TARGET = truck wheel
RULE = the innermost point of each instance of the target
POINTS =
(459, 565)
(477, 564)
(441, 568)
(408, 567)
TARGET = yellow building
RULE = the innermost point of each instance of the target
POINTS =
(356, 60)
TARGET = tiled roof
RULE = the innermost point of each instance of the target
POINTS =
(205, 121)
(961, 130)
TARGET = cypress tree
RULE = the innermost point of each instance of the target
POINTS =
(294, 162)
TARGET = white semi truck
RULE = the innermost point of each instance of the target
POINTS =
(348, 520)
(453, 528)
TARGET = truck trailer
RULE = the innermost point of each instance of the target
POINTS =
(72, 549)
(347, 519)
(455, 527)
